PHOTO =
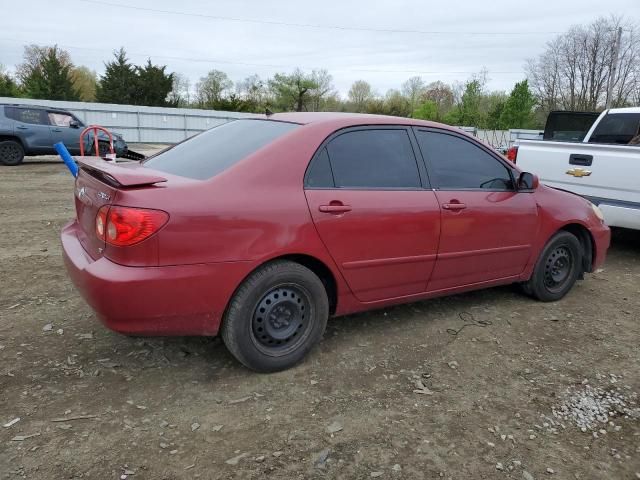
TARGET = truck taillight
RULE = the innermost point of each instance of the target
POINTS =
(125, 226)
(512, 154)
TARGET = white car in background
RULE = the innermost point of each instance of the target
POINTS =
(604, 167)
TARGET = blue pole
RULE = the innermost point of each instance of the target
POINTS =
(67, 158)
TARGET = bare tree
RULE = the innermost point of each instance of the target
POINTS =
(322, 89)
(212, 88)
(441, 95)
(360, 94)
(252, 89)
(180, 94)
(574, 70)
(412, 89)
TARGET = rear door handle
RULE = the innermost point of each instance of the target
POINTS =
(334, 208)
(22, 127)
(579, 159)
(454, 206)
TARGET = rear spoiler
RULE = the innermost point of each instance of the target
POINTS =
(126, 174)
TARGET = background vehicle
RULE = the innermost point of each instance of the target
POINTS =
(27, 130)
(603, 167)
(261, 228)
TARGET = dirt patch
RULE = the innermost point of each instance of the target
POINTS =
(388, 394)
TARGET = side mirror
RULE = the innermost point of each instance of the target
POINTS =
(528, 181)
(74, 124)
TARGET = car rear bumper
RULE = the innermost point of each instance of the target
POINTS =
(167, 300)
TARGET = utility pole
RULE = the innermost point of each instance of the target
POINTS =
(614, 68)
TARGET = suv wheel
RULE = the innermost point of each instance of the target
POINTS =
(557, 268)
(277, 315)
(11, 153)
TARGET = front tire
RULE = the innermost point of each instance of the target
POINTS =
(11, 153)
(276, 317)
(557, 268)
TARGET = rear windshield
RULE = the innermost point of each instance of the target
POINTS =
(211, 152)
(568, 126)
(617, 128)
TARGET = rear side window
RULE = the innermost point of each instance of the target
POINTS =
(458, 164)
(373, 158)
(617, 128)
(33, 116)
(211, 152)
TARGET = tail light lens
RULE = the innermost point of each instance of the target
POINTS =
(512, 154)
(125, 226)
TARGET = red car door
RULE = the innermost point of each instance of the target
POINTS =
(487, 226)
(367, 196)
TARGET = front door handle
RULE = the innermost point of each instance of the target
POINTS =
(455, 206)
(335, 207)
(22, 127)
(56, 129)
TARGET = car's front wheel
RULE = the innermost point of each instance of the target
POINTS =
(277, 315)
(11, 153)
(557, 268)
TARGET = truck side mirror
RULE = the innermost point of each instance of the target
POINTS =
(528, 181)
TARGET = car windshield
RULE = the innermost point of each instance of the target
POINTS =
(211, 152)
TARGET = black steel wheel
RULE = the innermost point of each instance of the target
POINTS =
(557, 268)
(276, 316)
(11, 153)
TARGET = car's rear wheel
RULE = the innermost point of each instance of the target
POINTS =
(557, 268)
(11, 153)
(277, 315)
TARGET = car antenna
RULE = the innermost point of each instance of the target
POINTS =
(268, 112)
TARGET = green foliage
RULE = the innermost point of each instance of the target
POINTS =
(85, 82)
(8, 86)
(46, 74)
(518, 109)
(118, 84)
(153, 85)
(427, 110)
(470, 113)
(211, 89)
(292, 92)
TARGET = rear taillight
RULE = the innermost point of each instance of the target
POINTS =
(512, 154)
(124, 226)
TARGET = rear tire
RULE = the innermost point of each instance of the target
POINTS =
(276, 317)
(557, 268)
(11, 153)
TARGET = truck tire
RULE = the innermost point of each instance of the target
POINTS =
(11, 153)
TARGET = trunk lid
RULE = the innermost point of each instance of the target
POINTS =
(97, 185)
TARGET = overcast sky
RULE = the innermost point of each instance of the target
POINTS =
(445, 40)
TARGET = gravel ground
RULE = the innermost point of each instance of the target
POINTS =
(542, 391)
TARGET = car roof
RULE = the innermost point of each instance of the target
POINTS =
(353, 119)
(35, 107)
(624, 110)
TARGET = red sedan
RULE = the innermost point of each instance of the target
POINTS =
(260, 229)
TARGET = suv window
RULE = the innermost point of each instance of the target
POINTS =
(60, 119)
(211, 152)
(458, 164)
(617, 128)
(27, 115)
(373, 158)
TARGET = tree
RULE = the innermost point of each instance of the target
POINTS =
(441, 95)
(573, 72)
(180, 95)
(293, 92)
(427, 110)
(360, 94)
(254, 92)
(46, 73)
(323, 87)
(211, 89)
(396, 104)
(8, 86)
(119, 82)
(518, 109)
(413, 89)
(469, 108)
(85, 82)
(153, 85)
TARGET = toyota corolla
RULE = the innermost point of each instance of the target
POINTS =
(261, 229)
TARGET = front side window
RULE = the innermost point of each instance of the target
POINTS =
(373, 158)
(211, 152)
(458, 164)
(60, 119)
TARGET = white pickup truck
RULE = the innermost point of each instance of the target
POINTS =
(604, 167)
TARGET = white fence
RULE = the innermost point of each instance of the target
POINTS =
(140, 124)
(171, 125)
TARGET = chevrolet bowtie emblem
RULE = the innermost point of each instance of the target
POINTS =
(578, 172)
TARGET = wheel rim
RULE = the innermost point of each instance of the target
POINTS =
(10, 153)
(281, 319)
(558, 268)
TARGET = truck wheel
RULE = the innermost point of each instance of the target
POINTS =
(557, 268)
(11, 153)
(277, 315)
